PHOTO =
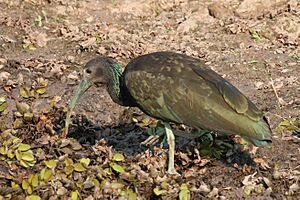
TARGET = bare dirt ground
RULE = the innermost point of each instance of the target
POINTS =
(43, 45)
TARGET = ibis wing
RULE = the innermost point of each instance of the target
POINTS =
(232, 96)
(159, 75)
(149, 92)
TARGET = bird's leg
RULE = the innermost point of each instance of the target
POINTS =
(171, 143)
(155, 134)
(163, 141)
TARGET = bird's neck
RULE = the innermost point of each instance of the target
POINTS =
(117, 89)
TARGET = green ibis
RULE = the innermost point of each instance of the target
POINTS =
(177, 88)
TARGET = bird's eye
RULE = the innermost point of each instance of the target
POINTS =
(88, 71)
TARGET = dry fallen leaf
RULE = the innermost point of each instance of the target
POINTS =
(261, 162)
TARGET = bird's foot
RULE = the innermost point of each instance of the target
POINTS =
(172, 171)
(155, 135)
(151, 140)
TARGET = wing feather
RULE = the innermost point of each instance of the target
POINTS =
(232, 96)
(178, 88)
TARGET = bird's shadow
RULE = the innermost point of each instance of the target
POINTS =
(124, 137)
(127, 138)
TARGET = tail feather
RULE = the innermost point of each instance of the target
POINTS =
(263, 133)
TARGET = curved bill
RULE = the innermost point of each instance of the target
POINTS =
(84, 85)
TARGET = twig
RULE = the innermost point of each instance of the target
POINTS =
(274, 89)
(279, 100)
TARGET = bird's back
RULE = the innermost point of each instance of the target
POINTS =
(178, 88)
